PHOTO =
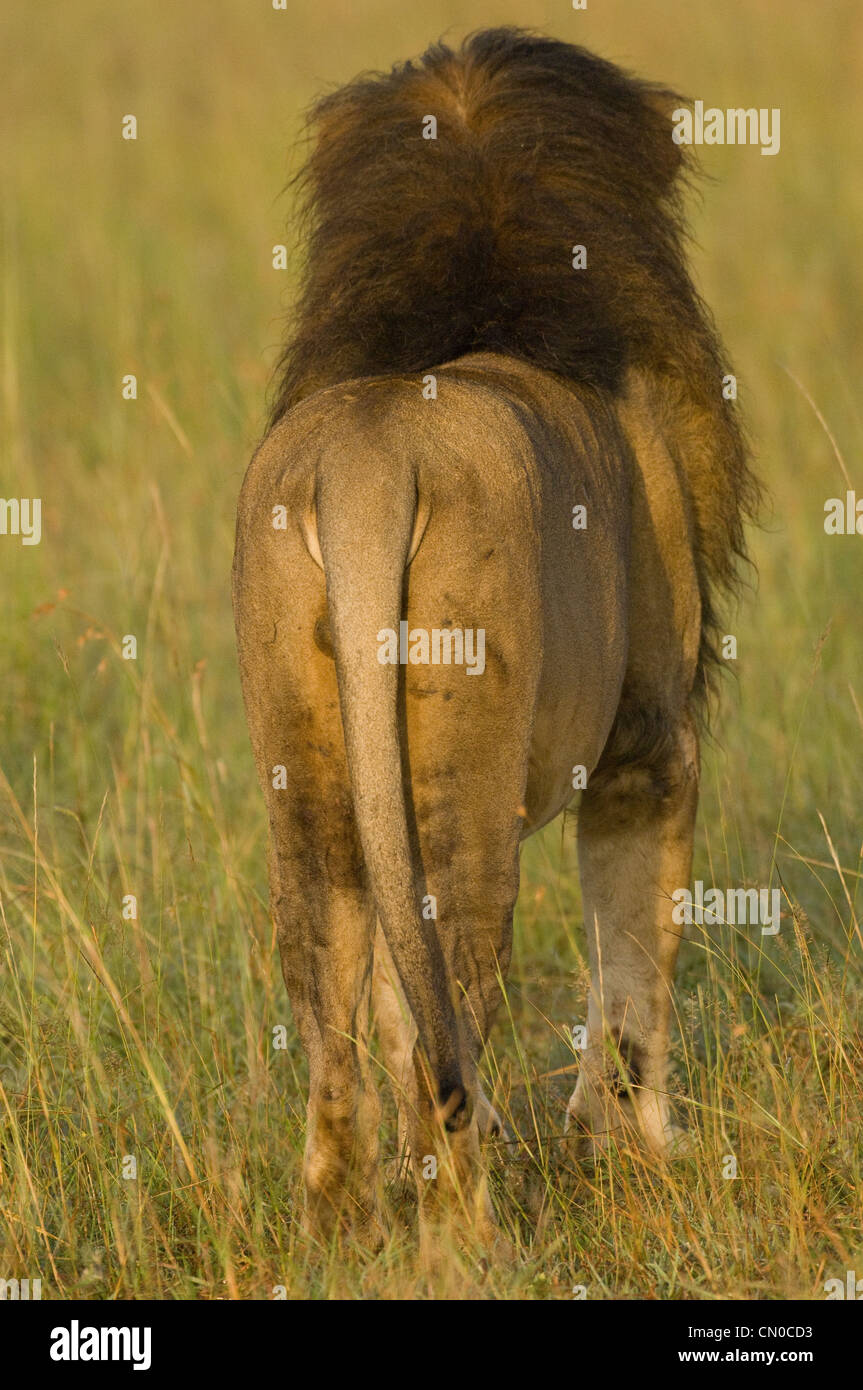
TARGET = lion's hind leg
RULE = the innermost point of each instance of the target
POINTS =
(635, 848)
(466, 798)
(325, 921)
(319, 894)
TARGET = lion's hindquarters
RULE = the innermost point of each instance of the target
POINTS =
(390, 709)
(321, 904)
(470, 683)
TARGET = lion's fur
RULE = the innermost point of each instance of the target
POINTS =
(411, 785)
(422, 250)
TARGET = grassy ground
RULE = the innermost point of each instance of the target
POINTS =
(152, 1036)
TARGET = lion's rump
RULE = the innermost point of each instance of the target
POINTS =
(421, 250)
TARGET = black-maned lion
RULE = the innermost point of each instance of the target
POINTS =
(460, 381)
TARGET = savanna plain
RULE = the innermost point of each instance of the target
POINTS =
(148, 1032)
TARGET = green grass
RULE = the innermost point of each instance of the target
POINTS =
(153, 1036)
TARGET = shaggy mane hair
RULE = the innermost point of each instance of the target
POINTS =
(422, 250)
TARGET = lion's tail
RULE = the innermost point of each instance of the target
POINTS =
(364, 595)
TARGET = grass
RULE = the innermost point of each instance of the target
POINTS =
(152, 1035)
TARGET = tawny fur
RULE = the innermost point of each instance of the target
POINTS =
(419, 251)
(555, 387)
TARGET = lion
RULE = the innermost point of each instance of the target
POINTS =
(500, 410)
